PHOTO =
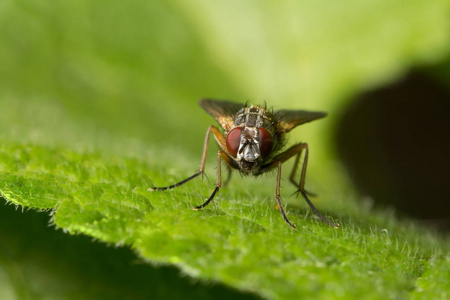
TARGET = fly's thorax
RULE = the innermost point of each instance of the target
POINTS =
(253, 116)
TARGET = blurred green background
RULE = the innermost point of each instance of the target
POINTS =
(125, 77)
(136, 70)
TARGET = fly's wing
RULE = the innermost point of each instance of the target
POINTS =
(221, 110)
(289, 119)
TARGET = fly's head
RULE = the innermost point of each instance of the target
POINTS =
(249, 142)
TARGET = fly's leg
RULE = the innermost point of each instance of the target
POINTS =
(277, 161)
(220, 155)
(220, 140)
(228, 176)
(277, 197)
(294, 171)
(301, 184)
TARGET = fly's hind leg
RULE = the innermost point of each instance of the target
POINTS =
(303, 175)
(301, 183)
(228, 176)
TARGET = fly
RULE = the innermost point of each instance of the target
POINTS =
(251, 141)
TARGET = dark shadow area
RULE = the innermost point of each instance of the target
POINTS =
(42, 262)
(395, 143)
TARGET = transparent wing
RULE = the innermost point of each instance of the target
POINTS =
(222, 111)
(289, 119)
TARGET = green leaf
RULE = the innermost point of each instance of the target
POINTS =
(41, 263)
(239, 240)
(98, 103)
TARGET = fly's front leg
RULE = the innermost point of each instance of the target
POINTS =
(220, 140)
(277, 196)
(220, 155)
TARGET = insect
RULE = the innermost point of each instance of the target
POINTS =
(251, 141)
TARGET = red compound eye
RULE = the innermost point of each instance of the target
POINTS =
(265, 142)
(234, 140)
